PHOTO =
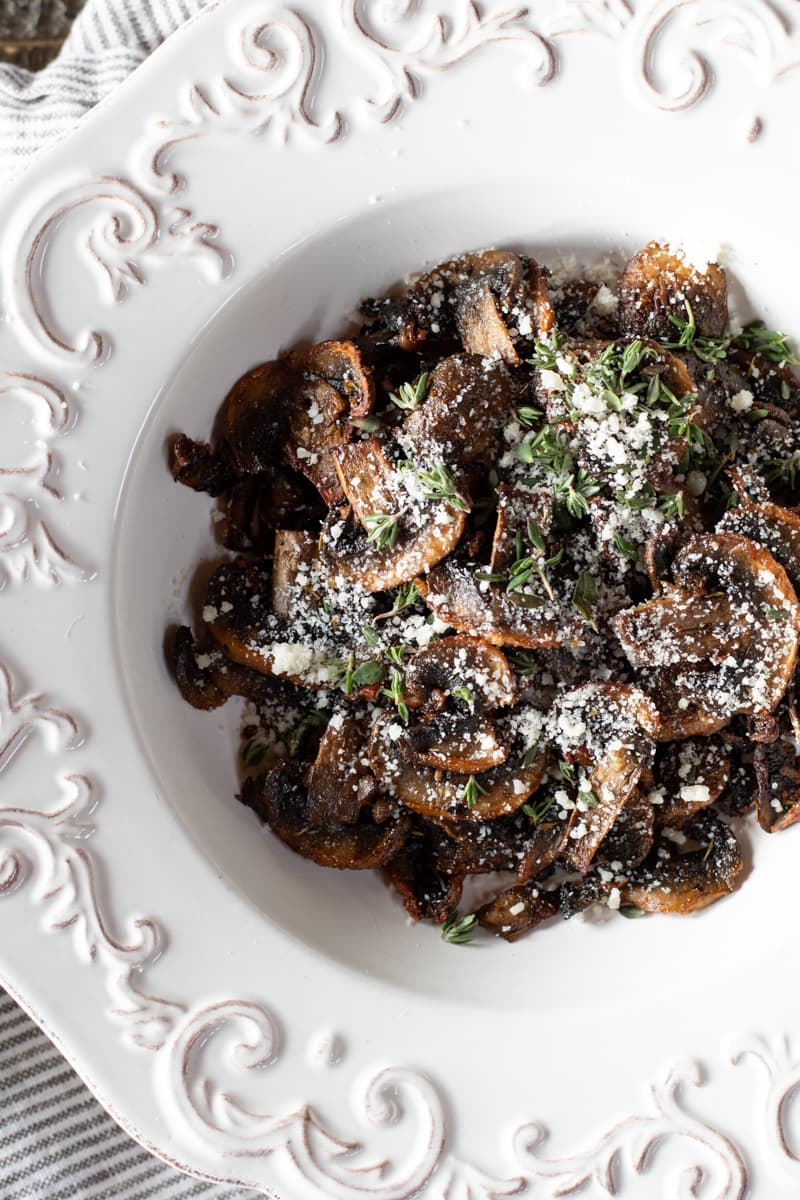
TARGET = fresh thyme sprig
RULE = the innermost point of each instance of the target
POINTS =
(383, 529)
(253, 751)
(539, 809)
(405, 596)
(410, 395)
(471, 792)
(396, 693)
(344, 673)
(458, 930)
(318, 719)
(585, 596)
(625, 547)
(754, 338)
(463, 693)
(438, 484)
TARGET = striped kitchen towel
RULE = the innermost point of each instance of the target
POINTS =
(56, 1142)
(108, 39)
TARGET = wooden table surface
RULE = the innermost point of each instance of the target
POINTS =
(31, 31)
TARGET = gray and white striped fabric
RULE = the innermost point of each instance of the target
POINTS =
(56, 1142)
(108, 39)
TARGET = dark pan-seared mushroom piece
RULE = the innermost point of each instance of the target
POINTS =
(280, 798)
(459, 597)
(512, 590)
(609, 730)
(722, 640)
(775, 528)
(491, 300)
(518, 910)
(388, 536)
(776, 764)
(658, 284)
(302, 404)
(467, 668)
(688, 870)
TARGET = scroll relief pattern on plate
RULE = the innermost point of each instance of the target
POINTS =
(122, 226)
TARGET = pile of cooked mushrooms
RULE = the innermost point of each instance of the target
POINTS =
(514, 588)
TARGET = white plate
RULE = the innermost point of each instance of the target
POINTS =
(246, 1015)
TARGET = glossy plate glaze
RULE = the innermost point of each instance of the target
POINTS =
(246, 1015)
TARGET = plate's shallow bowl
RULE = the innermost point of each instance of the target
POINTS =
(271, 1011)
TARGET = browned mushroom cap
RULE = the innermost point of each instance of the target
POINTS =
(657, 284)
(197, 466)
(630, 838)
(306, 402)
(777, 772)
(516, 842)
(659, 553)
(460, 418)
(691, 775)
(425, 533)
(455, 596)
(336, 791)
(490, 299)
(239, 617)
(452, 796)
(190, 667)
(723, 641)
(464, 742)
(294, 550)
(776, 529)
(515, 509)
(462, 662)
(518, 910)
(609, 729)
(279, 797)
(428, 892)
(686, 870)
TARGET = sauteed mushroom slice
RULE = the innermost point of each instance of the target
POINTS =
(197, 466)
(190, 666)
(417, 535)
(777, 772)
(240, 619)
(518, 910)
(490, 298)
(427, 891)
(452, 796)
(335, 791)
(280, 798)
(657, 284)
(459, 664)
(464, 742)
(775, 528)
(609, 729)
(515, 509)
(453, 594)
(691, 775)
(513, 842)
(253, 417)
(630, 838)
(689, 871)
(722, 641)
(295, 551)
(305, 403)
(459, 419)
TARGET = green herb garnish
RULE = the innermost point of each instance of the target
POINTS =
(318, 719)
(458, 930)
(585, 596)
(382, 529)
(438, 484)
(410, 395)
(471, 791)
